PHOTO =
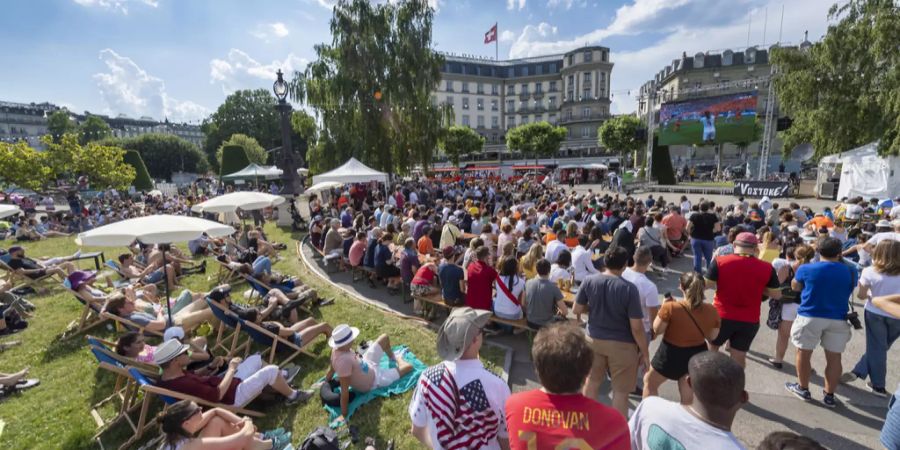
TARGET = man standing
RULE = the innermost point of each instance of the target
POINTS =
(648, 292)
(703, 227)
(458, 404)
(825, 289)
(562, 359)
(615, 329)
(675, 224)
(740, 280)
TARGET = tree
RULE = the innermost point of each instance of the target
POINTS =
(23, 166)
(842, 92)
(249, 112)
(537, 139)
(93, 129)
(304, 126)
(164, 153)
(620, 134)
(233, 159)
(460, 140)
(255, 153)
(142, 180)
(371, 86)
(59, 123)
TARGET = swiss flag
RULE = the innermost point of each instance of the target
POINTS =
(491, 35)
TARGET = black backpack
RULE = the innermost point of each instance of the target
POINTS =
(322, 438)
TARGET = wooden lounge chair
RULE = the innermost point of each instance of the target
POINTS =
(229, 333)
(273, 342)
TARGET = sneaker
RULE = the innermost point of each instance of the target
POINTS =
(800, 392)
(881, 392)
(849, 377)
(299, 397)
(291, 374)
(829, 401)
(776, 364)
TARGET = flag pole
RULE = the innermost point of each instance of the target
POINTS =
(497, 42)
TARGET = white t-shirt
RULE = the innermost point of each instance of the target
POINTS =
(464, 372)
(659, 423)
(886, 235)
(895, 212)
(503, 305)
(554, 247)
(879, 284)
(559, 273)
(582, 263)
(853, 211)
(647, 290)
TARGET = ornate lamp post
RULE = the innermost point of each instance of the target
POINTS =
(289, 176)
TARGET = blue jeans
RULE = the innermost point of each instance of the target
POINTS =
(890, 431)
(702, 249)
(881, 332)
(262, 265)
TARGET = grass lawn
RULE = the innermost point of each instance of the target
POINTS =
(55, 415)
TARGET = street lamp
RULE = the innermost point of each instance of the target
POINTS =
(289, 172)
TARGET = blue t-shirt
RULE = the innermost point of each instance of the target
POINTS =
(827, 287)
(369, 258)
(450, 275)
(382, 255)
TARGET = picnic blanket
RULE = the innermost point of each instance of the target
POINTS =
(405, 383)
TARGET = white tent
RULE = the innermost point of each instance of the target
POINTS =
(864, 173)
(254, 171)
(246, 200)
(352, 171)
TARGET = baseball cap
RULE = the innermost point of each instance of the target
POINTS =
(448, 251)
(746, 239)
(459, 330)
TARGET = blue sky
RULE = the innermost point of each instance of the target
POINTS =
(180, 58)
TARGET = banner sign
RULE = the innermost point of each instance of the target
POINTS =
(754, 188)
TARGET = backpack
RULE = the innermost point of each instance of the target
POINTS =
(322, 438)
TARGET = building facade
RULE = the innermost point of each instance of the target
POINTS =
(491, 97)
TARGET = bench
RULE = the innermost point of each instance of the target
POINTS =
(436, 300)
(329, 260)
(362, 272)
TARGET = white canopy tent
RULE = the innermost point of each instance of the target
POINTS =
(352, 171)
(864, 173)
(255, 171)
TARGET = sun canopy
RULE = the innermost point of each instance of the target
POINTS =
(324, 186)
(157, 229)
(254, 171)
(352, 171)
(9, 210)
(248, 200)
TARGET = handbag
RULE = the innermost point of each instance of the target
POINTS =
(688, 311)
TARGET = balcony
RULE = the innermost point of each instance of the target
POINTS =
(523, 96)
(593, 117)
(537, 95)
(553, 89)
(571, 100)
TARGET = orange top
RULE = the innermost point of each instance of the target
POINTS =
(682, 331)
(572, 242)
(425, 246)
(549, 237)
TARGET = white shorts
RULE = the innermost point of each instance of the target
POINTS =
(383, 377)
(808, 332)
(789, 311)
(254, 378)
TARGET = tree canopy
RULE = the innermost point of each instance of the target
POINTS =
(164, 153)
(255, 153)
(59, 124)
(304, 127)
(234, 158)
(460, 140)
(619, 134)
(93, 129)
(371, 86)
(842, 92)
(248, 112)
(142, 181)
(536, 139)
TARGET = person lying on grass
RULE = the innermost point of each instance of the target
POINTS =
(185, 426)
(362, 373)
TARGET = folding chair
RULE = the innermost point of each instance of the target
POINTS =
(225, 274)
(227, 341)
(272, 341)
(91, 313)
(262, 289)
(13, 275)
(123, 324)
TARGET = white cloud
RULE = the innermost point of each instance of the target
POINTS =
(270, 31)
(507, 36)
(240, 71)
(515, 4)
(567, 4)
(126, 88)
(116, 5)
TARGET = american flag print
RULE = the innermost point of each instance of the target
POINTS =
(463, 416)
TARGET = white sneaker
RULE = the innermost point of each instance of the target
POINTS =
(77, 253)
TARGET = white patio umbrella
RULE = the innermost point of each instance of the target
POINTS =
(247, 201)
(157, 229)
(9, 210)
(324, 185)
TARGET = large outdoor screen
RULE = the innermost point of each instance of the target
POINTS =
(712, 120)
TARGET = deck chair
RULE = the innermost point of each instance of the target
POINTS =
(122, 324)
(91, 313)
(225, 274)
(229, 333)
(20, 280)
(272, 342)
(261, 289)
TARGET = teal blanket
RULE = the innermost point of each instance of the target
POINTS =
(405, 383)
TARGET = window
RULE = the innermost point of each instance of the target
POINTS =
(586, 113)
(523, 105)
(570, 59)
(510, 122)
(495, 122)
(538, 88)
(588, 56)
(524, 120)
(465, 103)
(480, 88)
(524, 89)
(480, 121)
(495, 89)
(551, 101)
(465, 120)
(494, 104)
(538, 104)
(525, 71)
(586, 92)
(552, 67)
(434, 99)
(479, 104)
(552, 86)
(552, 119)
(585, 132)
(586, 78)
(570, 88)
(603, 56)
(511, 105)
(568, 114)
(450, 100)
(449, 86)
(538, 117)
(511, 89)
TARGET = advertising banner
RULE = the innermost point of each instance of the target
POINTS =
(753, 188)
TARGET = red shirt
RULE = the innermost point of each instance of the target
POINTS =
(479, 294)
(206, 388)
(536, 419)
(740, 283)
(424, 276)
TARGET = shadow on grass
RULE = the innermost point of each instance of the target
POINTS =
(62, 345)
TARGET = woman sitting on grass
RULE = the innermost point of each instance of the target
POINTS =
(187, 427)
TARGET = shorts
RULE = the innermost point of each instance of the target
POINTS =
(254, 378)
(420, 289)
(620, 358)
(671, 361)
(37, 275)
(739, 334)
(808, 332)
(383, 377)
(154, 277)
(789, 311)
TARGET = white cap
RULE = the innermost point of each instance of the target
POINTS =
(173, 333)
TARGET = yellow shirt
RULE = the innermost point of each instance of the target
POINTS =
(769, 254)
(529, 274)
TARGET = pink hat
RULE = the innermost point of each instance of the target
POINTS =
(746, 239)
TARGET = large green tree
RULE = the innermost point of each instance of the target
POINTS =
(619, 134)
(304, 126)
(255, 153)
(536, 139)
(164, 153)
(371, 86)
(460, 140)
(249, 112)
(59, 123)
(93, 129)
(844, 91)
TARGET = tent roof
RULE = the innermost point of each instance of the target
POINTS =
(352, 171)
(870, 149)
(254, 171)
